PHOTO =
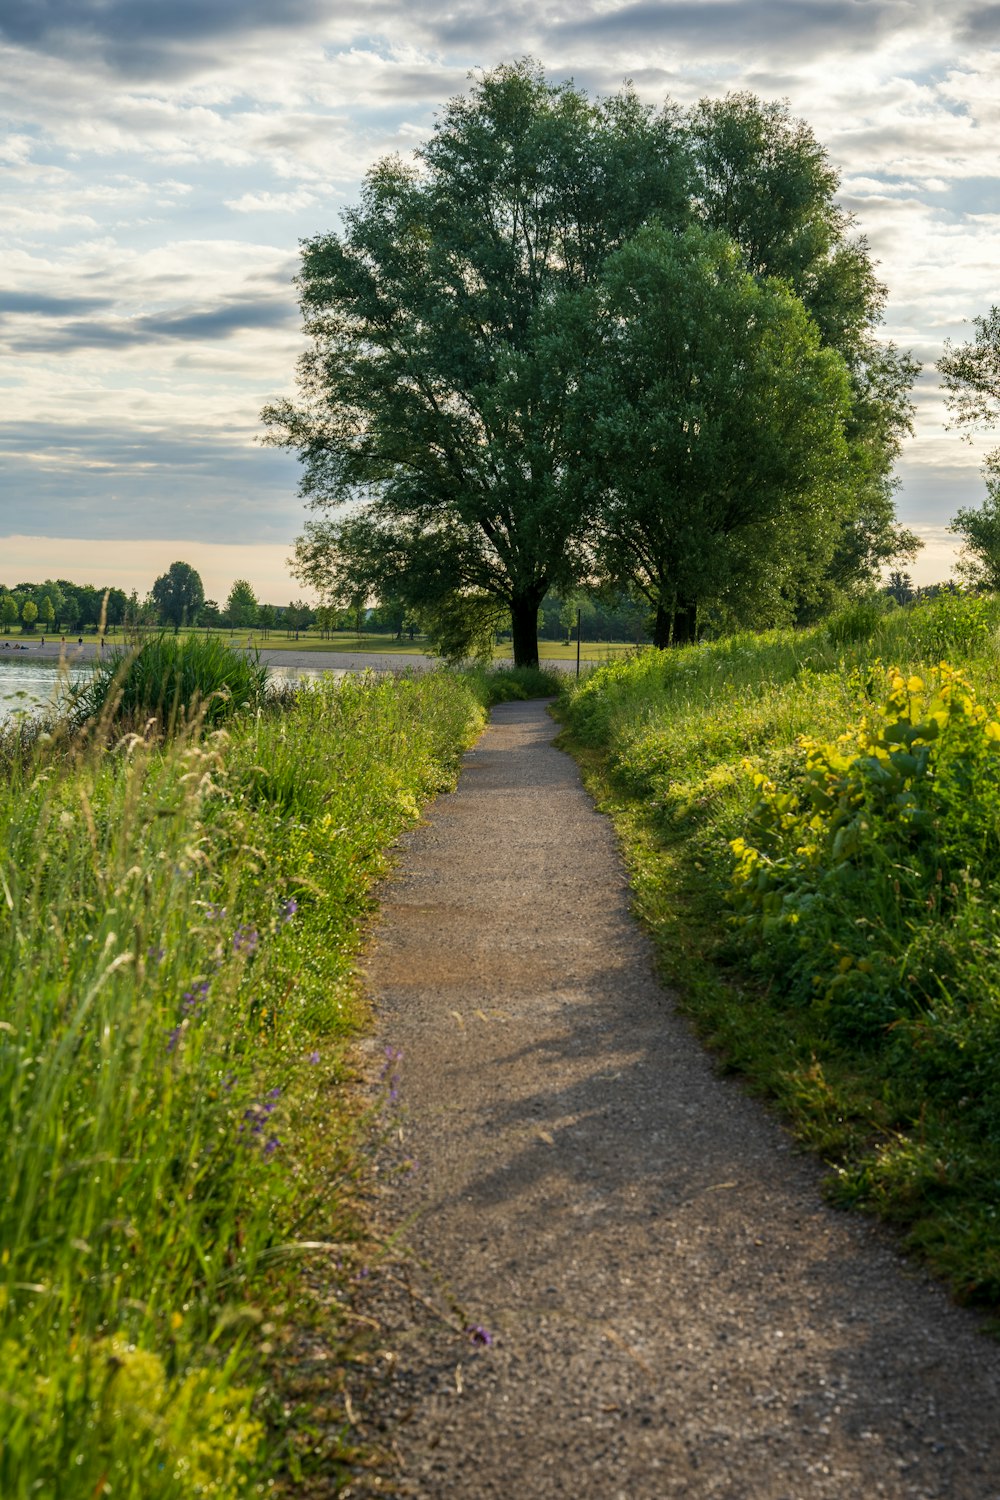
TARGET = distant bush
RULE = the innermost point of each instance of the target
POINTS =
(173, 679)
(857, 621)
(953, 625)
(512, 684)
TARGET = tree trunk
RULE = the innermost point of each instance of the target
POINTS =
(685, 622)
(676, 626)
(661, 627)
(524, 626)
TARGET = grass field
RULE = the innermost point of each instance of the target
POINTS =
(346, 641)
(179, 921)
(812, 824)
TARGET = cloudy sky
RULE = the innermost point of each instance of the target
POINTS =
(160, 162)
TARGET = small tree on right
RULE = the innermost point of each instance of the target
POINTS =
(971, 378)
(722, 422)
(979, 527)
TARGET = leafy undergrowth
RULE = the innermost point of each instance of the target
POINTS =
(178, 926)
(812, 824)
(513, 684)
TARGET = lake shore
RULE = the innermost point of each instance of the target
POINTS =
(78, 653)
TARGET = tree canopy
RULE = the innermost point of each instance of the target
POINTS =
(972, 374)
(462, 416)
(449, 324)
(722, 421)
(242, 607)
(178, 595)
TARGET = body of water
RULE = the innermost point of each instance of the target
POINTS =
(29, 686)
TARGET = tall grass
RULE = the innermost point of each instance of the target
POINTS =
(498, 684)
(177, 926)
(822, 811)
(171, 679)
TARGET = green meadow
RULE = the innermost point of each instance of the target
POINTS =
(180, 915)
(812, 824)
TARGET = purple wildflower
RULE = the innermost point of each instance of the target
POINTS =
(173, 1040)
(195, 997)
(156, 955)
(289, 909)
(245, 940)
(256, 1121)
(393, 1056)
(480, 1335)
(313, 1057)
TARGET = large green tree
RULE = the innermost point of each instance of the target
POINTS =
(449, 323)
(178, 595)
(721, 419)
(458, 328)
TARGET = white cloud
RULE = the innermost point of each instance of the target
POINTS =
(150, 302)
(270, 203)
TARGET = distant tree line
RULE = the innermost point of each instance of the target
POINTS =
(175, 601)
(58, 606)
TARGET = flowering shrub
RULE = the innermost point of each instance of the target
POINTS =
(864, 885)
(851, 879)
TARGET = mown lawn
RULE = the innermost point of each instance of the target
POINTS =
(350, 642)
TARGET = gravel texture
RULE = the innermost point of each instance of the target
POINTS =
(670, 1307)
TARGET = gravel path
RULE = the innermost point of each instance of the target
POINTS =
(672, 1310)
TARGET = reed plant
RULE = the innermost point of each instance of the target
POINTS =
(178, 923)
(172, 680)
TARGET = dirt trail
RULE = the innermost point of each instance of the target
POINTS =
(672, 1309)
